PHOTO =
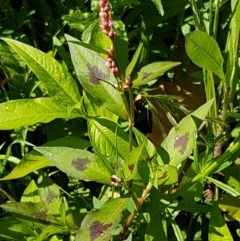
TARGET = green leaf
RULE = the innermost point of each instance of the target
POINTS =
(13, 65)
(153, 71)
(49, 230)
(77, 163)
(32, 161)
(218, 229)
(167, 175)
(231, 50)
(34, 215)
(182, 138)
(58, 82)
(94, 35)
(94, 108)
(121, 46)
(65, 56)
(29, 164)
(108, 138)
(176, 229)
(159, 6)
(96, 77)
(149, 150)
(230, 206)
(34, 212)
(122, 3)
(30, 194)
(155, 228)
(76, 19)
(69, 141)
(134, 60)
(131, 164)
(225, 187)
(204, 51)
(232, 177)
(13, 229)
(99, 225)
(26, 112)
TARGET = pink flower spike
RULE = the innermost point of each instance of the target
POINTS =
(110, 23)
(113, 65)
(105, 31)
(106, 8)
(103, 15)
(111, 34)
(102, 3)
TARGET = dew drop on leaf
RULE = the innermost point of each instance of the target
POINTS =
(80, 164)
(181, 143)
(10, 107)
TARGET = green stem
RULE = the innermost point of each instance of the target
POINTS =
(131, 119)
(195, 14)
(139, 202)
(210, 17)
(10, 198)
(211, 94)
(216, 16)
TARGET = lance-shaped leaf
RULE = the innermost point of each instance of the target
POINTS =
(204, 51)
(167, 175)
(130, 168)
(29, 164)
(182, 138)
(108, 138)
(26, 112)
(134, 60)
(100, 225)
(35, 212)
(149, 150)
(230, 206)
(57, 81)
(13, 229)
(218, 229)
(13, 65)
(77, 163)
(153, 71)
(159, 6)
(96, 77)
(121, 45)
(32, 161)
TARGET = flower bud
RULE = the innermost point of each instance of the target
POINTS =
(128, 83)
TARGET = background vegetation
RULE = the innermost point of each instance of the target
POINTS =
(132, 135)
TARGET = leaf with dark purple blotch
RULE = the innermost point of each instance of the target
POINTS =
(98, 229)
(149, 73)
(182, 138)
(42, 216)
(181, 143)
(80, 164)
(100, 225)
(146, 74)
(130, 168)
(77, 163)
(96, 78)
(95, 74)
